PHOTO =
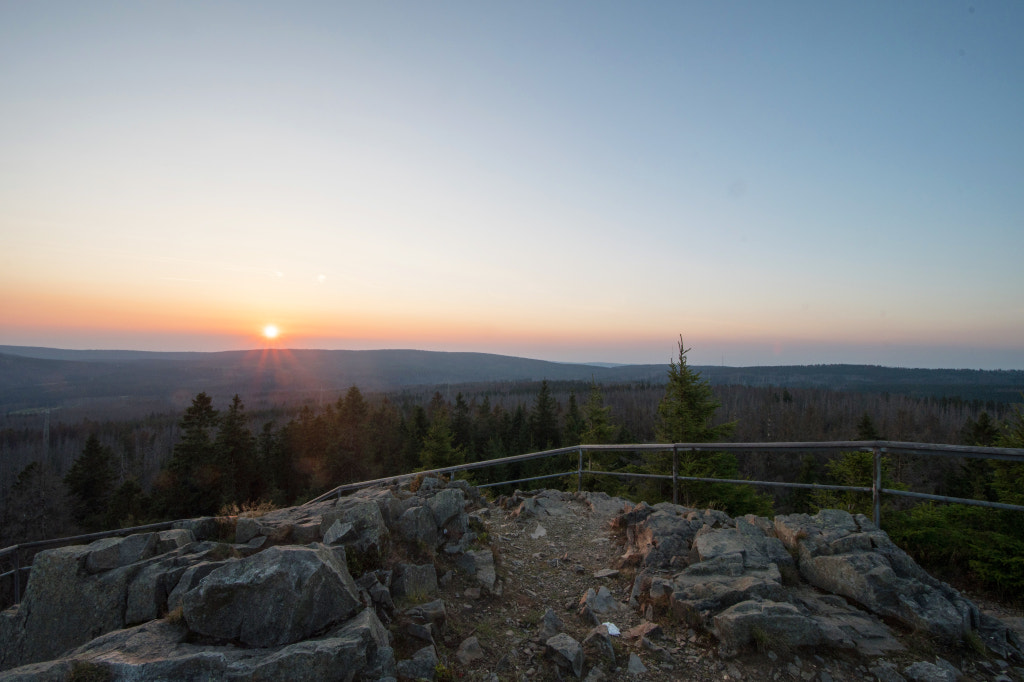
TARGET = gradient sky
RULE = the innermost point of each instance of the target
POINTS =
(781, 183)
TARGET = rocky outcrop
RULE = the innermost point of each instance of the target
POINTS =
(279, 603)
(333, 589)
(748, 581)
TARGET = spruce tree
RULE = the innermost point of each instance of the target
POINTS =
(598, 428)
(439, 450)
(544, 420)
(90, 481)
(686, 410)
(191, 483)
(685, 415)
(236, 456)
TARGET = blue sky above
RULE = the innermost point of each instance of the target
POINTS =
(780, 183)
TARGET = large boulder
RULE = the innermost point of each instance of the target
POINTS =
(64, 606)
(850, 556)
(279, 596)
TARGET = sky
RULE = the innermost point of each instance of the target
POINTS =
(779, 183)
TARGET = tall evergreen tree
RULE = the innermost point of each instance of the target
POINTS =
(439, 450)
(598, 428)
(866, 429)
(90, 481)
(685, 412)
(573, 423)
(236, 456)
(544, 420)
(685, 415)
(191, 483)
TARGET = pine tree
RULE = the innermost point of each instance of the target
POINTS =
(90, 481)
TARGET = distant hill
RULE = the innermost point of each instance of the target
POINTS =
(47, 377)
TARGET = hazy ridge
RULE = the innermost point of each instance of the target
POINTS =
(33, 377)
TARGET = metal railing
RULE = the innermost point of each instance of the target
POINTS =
(878, 449)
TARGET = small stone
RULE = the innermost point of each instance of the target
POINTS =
(566, 652)
(469, 651)
(606, 573)
(635, 666)
(538, 532)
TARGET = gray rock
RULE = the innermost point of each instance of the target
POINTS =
(306, 533)
(635, 666)
(414, 582)
(550, 625)
(189, 579)
(158, 650)
(147, 594)
(448, 507)
(246, 528)
(169, 540)
(110, 553)
(340, 532)
(770, 624)
(886, 672)
(203, 528)
(417, 525)
(566, 652)
(483, 567)
(600, 602)
(849, 556)
(63, 606)
(929, 672)
(598, 644)
(426, 621)
(279, 596)
(366, 520)
(422, 664)
(469, 651)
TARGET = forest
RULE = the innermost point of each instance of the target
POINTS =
(217, 457)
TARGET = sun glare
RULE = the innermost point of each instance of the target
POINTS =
(271, 331)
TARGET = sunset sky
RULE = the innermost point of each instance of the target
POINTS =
(780, 182)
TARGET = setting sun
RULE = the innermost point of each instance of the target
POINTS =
(271, 331)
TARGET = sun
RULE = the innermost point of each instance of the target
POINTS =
(271, 331)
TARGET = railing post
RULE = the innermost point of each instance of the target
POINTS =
(876, 487)
(675, 474)
(579, 473)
